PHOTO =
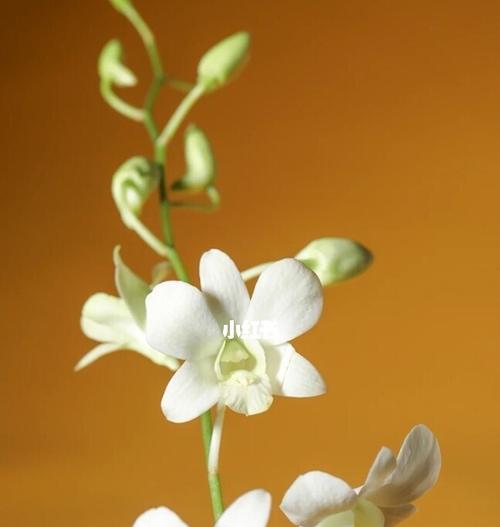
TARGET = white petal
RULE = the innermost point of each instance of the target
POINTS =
(222, 283)
(96, 353)
(381, 469)
(132, 288)
(250, 510)
(291, 374)
(417, 470)
(159, 517)
(341, 519)
(366, 514)
(179, 322)
(106, 318)
(394, 515)
(316, 495)
(192, 391)
(140, 345)
(247, 393)
(290, 296)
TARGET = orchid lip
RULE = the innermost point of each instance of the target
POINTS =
(235, 361)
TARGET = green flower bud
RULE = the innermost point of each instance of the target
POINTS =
(131, 186)
(200, 162)
(111, 68)
(335, 259)
(223, 61)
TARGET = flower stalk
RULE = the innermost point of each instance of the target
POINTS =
(160, 144)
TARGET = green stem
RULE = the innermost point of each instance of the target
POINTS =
(180, 85)
(134, 223)
(119, 105)
(213, 478)
(248, 274)
(180, 113)
(202, 207)
(213, 196)
(160, 143)
(214, 483)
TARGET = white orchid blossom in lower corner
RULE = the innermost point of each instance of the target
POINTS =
(317, 499)
(118, 322)
(249, 510)
(236, 349)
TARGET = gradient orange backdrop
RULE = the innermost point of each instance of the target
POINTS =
(372, 120)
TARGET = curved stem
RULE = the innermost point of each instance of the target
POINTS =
(119, 105)
(134, 223)
(180, 113)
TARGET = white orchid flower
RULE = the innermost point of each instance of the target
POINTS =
(250, 510)
(317, 499)
(118, 322)
(242, 373)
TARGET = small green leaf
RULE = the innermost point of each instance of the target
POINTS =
(132, 289)
(223, 61)
(335, 259)
(200, 161)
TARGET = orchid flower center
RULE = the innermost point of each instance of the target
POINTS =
(364, 514)
(234, 360)
(236, 363)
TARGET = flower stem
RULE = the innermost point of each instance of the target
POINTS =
(160, 144)
(119, 105)
(213, 478)
(248, 274)
(180, 113)
(215, 441)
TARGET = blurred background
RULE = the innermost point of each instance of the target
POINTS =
(377, 121)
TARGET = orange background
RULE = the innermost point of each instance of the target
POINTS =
(373, 120)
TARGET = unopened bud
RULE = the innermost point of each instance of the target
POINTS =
(335, 259)
(111, 67)
(223, 61)
(131, 186)
(200, 162)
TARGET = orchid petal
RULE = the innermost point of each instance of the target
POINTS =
(381, 469)
(221, 281)
(291, 374)
(247, 395)
(394, 515)
(96, 353)
(105, 318)
(417, 470)
(315, 496)
(192, 391)
(290, 296)
(132, 289)
(180, 323)
(250, 510)
(140, 346)
(366, 514)
(342, 519)
(159, 517)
